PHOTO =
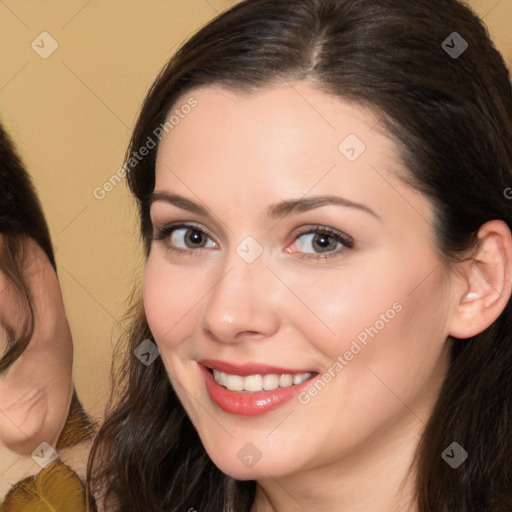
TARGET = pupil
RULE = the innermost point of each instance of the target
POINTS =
(322, 241)
(195, 237)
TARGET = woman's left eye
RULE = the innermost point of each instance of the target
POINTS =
(323, 242)
(318, 242)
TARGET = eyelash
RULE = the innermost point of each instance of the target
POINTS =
(347, 241)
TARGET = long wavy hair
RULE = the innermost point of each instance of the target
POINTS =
(21, 219)
(451, 116)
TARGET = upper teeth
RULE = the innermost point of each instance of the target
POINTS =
(258, 382)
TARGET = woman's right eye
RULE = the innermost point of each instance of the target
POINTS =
(183, 238)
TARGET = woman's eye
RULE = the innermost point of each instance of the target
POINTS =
(190, 238)
(183, 238)
(322, 243)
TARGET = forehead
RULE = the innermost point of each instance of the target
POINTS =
(282, 141)
(283, 118)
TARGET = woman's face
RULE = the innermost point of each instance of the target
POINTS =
(303, 254)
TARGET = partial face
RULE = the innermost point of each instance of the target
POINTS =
(35, 392)
(294, 293)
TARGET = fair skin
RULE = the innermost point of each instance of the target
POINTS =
(36, 391)
(350, 447)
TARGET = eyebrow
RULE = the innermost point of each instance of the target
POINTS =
(273, 212)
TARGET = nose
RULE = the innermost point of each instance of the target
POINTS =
(243, 303)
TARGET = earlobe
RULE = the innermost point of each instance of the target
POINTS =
(486, 286)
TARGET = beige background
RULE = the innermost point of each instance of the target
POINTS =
(71, 115)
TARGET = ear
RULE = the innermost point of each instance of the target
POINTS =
(486, 284)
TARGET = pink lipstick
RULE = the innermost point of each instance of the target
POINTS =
(255, 389)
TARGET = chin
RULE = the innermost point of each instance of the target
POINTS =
(249, 464)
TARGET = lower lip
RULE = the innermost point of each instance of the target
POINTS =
(250, 404)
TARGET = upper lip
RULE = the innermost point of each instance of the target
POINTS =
(249, 368)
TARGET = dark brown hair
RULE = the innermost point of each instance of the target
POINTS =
(451, 117)
(21, 219)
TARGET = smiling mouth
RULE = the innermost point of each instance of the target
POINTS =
(258, 382)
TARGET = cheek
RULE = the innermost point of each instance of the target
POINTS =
(388, 316)
(336, 307)
(172, 297)
(385, 360)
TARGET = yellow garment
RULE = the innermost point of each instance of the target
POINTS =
(56, 488)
